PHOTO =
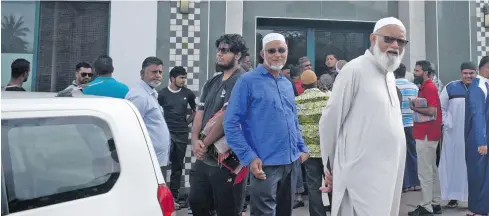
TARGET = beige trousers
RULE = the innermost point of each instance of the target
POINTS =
(428, 173)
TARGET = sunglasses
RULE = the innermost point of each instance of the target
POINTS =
(86, 74)
(273, 50)
(390, 40)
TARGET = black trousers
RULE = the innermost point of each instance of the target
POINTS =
(179, 142)
(314, 177)
(213, 188)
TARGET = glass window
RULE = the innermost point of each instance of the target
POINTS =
(58, 159)
(296, 42)
(18, 36)
(69, 32)
(346, 45)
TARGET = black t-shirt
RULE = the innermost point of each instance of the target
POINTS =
(14, 88)
(215, 96)
(175, 107)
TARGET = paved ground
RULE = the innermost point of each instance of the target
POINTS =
(409, 202)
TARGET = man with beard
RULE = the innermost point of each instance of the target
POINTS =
(213, 185)
(145, 98)
(262, 128)
(83, 75)
(427, 133)
(19, 74)
(361, 130)
(453, 171)
(476, 140)
(175, 99)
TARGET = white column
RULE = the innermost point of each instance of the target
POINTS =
(133, 27)
(412, 14)
(234, 17)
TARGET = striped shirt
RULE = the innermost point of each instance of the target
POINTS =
(310, 105)
(409, 91)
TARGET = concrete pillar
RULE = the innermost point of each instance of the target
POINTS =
(234, 17)
(133, 26)
(412, 14)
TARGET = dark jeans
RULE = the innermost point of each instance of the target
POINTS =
(411, 168)
(179, 142)
(213, 188)
(274, 195)
(314, 178)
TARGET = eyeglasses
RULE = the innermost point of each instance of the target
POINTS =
(273, 50)
(86, 74)
(223, 50)
(390, 40)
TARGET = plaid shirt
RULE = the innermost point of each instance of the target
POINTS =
(310, 105)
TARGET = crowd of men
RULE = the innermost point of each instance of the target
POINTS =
(364, 125)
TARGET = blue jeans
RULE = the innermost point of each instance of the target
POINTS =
(411, 169)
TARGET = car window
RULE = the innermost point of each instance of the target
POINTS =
(52, 160)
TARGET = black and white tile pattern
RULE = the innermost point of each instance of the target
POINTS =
(185, 51)
(482, 32)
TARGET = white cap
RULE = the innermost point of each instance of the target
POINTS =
(273, 37)
(388, 21)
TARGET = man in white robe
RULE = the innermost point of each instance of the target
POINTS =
(452, 169)
(361, 129)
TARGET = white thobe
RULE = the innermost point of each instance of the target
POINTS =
(452, 168)
(361, 131)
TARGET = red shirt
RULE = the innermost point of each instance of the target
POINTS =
(298, 86)
(431, 129)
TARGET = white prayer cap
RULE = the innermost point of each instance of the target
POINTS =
(272, 37)
(388, 21)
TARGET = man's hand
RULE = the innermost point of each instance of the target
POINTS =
(304, 156)
(199, 149)
(328, 180)
(411, 105)
(482, 150)
(257, 169)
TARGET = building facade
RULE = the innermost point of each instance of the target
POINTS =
(60, 34)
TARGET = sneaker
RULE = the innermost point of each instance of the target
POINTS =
(420, 211)
(452, 204)
(177, 207)
(436, 209)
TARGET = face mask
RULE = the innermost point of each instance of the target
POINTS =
(418, 80)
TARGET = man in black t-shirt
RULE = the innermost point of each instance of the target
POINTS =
(212, 186)
(19, 74)
(175, 101)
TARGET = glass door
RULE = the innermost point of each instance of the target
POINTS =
(296, 40)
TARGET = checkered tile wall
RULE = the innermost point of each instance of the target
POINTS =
(185, 51)
(482, 32)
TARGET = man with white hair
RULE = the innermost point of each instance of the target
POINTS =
(261, 127)
(361, 130)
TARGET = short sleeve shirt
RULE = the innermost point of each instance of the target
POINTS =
(431, 129)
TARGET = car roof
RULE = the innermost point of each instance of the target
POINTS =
(26, 101)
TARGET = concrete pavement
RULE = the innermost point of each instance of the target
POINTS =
(409, 201)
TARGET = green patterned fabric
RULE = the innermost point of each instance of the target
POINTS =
(310, 105)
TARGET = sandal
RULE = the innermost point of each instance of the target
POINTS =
(417, 188)
(452, 204)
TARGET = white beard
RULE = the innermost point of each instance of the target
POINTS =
(389, 62)
(274, 67)
(154, 83)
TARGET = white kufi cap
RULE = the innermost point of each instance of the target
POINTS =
(272, 37)
(388, 21)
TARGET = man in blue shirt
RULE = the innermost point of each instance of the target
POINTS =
(261, 127)
(105, 84)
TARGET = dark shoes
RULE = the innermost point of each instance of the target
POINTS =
(436, 209)
(452, 204)
(298, 204)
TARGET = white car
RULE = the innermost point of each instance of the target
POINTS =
(75, 156)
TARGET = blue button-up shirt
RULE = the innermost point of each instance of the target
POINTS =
(145, 99)
(261, 119)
